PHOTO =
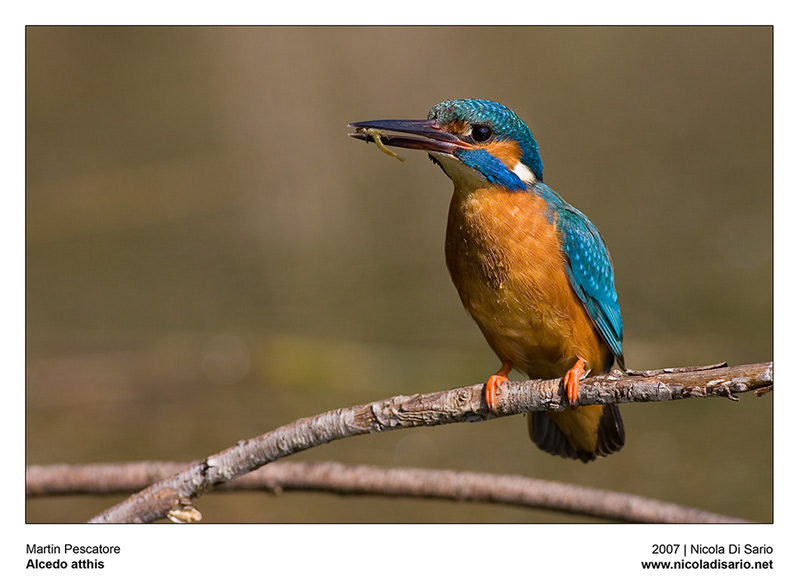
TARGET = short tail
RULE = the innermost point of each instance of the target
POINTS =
(583, 433)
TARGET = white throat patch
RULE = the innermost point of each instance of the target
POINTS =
(461, 174)
(465, 176)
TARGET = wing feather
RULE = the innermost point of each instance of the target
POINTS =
(589, 268)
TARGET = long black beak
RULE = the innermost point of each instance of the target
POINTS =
(419, 134)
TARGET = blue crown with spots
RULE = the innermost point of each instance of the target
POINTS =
(505, 122)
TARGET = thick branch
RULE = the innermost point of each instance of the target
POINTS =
(449, 406)
(359, 479)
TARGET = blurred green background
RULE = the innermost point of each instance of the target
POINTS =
(209, 256)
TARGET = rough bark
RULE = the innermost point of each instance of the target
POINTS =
(171, 497)
(370, 480)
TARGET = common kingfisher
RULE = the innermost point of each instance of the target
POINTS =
(530, 269)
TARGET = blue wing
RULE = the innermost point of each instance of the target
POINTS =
(589, 269)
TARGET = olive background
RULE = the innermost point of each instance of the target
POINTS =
(209, 256)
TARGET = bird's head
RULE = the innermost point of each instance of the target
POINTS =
(474, 141)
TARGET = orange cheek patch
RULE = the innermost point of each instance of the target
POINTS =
(508, 152)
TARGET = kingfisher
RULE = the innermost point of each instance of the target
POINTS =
(531, 270)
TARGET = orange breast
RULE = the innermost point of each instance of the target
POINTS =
(504, 256)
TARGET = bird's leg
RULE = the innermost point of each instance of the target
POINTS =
(494, 381)
(571, 381)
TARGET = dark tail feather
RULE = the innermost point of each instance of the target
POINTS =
(546, 434)
(611, 431)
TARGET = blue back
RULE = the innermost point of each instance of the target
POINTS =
(589, 268)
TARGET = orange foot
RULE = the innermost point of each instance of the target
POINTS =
(571, 381)
(491, 386)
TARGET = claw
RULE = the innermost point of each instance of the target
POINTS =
(491, 385)
(571, 381)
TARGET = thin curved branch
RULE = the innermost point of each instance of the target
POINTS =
(171, 497)
(360, 479)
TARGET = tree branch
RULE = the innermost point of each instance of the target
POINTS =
(171, 497)
(359, 479)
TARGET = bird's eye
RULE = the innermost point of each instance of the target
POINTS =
(481, 133)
